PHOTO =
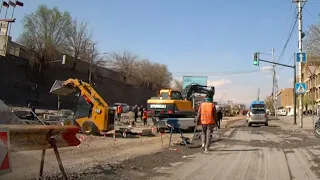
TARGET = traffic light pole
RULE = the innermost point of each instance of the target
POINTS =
(274, 63)
(294, 85)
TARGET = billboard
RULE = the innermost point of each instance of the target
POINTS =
(201, 80)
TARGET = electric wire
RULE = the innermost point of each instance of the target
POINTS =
(222, 73)
(311, 14)
(295, 20)
(282, 67)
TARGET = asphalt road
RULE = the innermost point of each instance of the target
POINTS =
(275, 152)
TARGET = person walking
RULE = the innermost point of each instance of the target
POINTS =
(119, 111)
(219, 117)
(207, 116)
(135, 111)
(141, 112)
(145, 117)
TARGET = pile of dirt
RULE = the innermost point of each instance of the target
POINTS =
(6, 116)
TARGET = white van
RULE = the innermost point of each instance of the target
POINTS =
(281, 112)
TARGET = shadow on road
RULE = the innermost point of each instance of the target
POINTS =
(230, 150)
(256, 126)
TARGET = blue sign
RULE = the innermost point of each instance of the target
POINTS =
(201, 80)
(301, 57)
(301, 88)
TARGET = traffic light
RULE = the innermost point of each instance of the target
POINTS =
(256, 59)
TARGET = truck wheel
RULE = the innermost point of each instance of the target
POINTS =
(317, 131)
(88, 128)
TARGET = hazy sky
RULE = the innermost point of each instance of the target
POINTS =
(204, 37)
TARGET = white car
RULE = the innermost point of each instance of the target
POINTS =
(257, 116)
(125, 107)
(282, 112)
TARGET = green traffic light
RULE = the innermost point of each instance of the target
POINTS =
(256, 59)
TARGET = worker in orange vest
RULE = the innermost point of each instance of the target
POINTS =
(119, 111)
(145, 117)
(207, 117)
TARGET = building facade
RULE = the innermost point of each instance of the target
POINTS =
(284, 99)
(311, 76)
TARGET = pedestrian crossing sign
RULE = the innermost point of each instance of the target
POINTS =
(301, 88)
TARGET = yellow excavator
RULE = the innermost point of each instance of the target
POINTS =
(92, 113)
(176, 104)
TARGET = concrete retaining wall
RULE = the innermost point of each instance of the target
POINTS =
(18, 88)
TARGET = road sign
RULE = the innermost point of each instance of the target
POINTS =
(5, 164)
(301, 88)
(301, 57)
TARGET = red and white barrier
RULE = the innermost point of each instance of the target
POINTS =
(5, 163)
(37, 137)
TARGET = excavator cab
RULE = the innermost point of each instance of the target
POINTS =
(92, 113)
(170, 94)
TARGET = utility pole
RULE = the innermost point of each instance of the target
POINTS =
(258, 94)
(274, 85)
(300, 34)
(91, 62)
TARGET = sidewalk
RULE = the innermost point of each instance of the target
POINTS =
(288, 120)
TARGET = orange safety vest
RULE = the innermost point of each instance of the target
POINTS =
(145, 115)
(206, 112)
(119, 109)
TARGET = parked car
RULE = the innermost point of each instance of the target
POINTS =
(125, 107)
(281, 112)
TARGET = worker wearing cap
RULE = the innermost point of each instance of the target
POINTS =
(207, 116)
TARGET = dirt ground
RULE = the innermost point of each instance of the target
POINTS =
(96, 157)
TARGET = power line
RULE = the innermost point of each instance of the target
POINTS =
(223, 73)
(289, 37)
(281, 67)
(311, 14)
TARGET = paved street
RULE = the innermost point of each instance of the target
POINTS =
(241, 152)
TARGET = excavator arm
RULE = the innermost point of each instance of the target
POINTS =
(189, 91)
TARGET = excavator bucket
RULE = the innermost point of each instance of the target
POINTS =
(59, 88)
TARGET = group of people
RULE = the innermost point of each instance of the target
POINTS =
(209, 117)
(143, 114)
(135, 110)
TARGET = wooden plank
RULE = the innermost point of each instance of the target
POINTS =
(37, 137)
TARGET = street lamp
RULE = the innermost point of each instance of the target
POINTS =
(63, 61)
(91, 62)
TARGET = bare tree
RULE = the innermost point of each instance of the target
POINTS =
(123, 63)
(142, 72)
(269, 103)
(312, 42)
(160, 75)
(79, 42)
(45, 31)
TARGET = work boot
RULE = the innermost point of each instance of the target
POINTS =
(202, 145)
(206, 150)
